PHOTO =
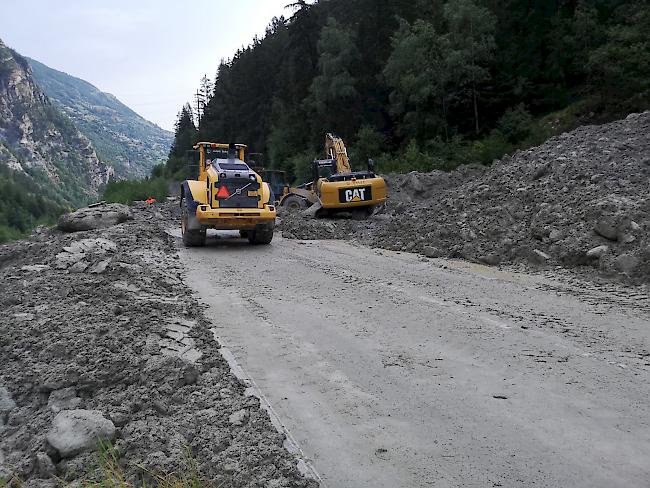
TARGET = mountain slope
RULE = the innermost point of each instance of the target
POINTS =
(122, 138)
(46, 164)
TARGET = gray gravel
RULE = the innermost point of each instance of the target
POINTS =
(100, 337)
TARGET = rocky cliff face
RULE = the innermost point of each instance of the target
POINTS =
(37, 139)
(121, 137)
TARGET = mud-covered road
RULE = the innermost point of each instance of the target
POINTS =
(391, 370)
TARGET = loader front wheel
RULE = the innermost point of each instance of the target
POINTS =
(294, 202)
(191, 238)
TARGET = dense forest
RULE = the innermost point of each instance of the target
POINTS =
(423, 84)
(24, 205)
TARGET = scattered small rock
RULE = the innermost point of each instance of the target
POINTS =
(539, 257)
(64, 399)
(7, 404)
(627, 263)
(44, 466)
(597, 252)
(76, 431)
(606, 229)
(432, 252)
(238, 417)
(491, 259)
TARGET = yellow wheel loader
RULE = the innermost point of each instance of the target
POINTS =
(227, 195)
(336, 187)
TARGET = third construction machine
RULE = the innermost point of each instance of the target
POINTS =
(335, 187)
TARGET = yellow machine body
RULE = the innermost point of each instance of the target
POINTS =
(356, 192)
(335, 186)
(227, 195)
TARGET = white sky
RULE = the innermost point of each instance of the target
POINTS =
(151, 54)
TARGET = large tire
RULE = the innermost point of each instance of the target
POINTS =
(294, 203)
(261, 235)
(191, 238)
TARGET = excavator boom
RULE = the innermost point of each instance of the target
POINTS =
(335, 149)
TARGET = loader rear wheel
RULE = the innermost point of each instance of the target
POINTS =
(191, 238)
(294, 202)
(261, 235)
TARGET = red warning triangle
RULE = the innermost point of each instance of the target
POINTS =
(223, 192)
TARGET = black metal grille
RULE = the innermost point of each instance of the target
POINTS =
(241, 199)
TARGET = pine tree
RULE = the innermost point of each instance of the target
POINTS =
(185, 136)
(471, 37)
(419, 76)
(333, 93)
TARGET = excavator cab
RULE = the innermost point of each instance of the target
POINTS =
(323, 168)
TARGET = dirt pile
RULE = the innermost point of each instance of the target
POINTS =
(580, 199)
(101, 339)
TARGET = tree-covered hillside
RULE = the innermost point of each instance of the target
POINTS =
(121, 137)
(428, 83)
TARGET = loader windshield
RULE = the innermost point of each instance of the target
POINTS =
(233, 166)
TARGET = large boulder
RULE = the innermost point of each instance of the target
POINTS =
(97, 216)
(75, 431)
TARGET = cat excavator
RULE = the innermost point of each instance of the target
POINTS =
(335, 187)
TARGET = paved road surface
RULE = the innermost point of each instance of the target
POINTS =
(394, 371)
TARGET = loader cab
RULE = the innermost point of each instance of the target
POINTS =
(210, 153)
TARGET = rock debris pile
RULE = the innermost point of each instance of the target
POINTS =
(102, 342)
(581, 199)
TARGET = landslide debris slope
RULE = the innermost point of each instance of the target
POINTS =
(100, 338)
(581, 199)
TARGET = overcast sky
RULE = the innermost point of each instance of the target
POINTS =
(151, 54)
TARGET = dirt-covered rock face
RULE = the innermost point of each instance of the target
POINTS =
(579, 200)
(101, 339)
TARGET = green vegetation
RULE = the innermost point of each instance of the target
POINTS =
(25, 202)
(110, 473)
(178, 166)
(128, 192)
(426, 84)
